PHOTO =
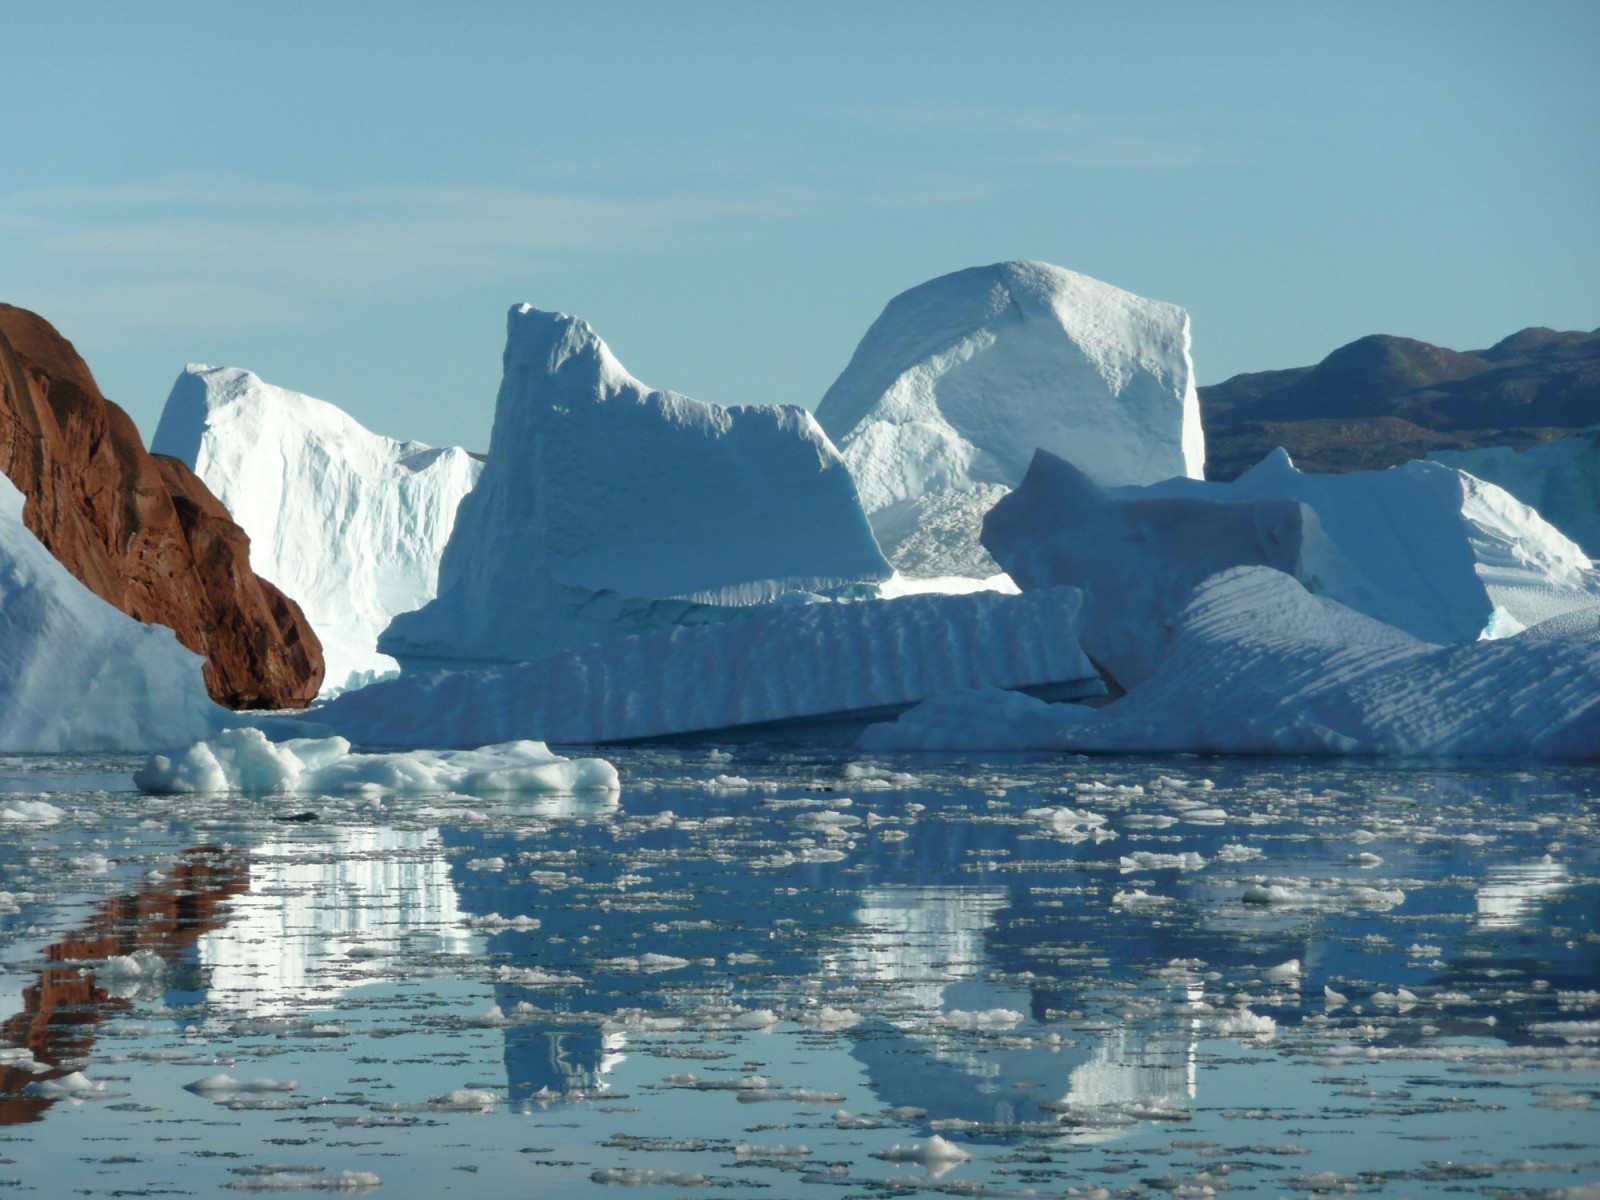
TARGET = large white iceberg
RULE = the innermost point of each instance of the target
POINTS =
(348, 522)
(76, 673)
(245, 760)
(608, 509)
(781, 663)
(1425, 548)
(1258, 665)
(960, 379)
(1561, 479)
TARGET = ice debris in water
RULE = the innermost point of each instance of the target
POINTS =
(281, 1177)
(244, 760)
(935, 1150)
(226, 1085)
(30, 812)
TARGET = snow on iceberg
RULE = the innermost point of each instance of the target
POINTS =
(960, 379)
(1259, 665)
(607, 509)
(1561, 479)
(244, 760)
(1423, 547)
(780, 663)
(348, 522)
(76, 673)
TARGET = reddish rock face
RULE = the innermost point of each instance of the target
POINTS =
(142, 532)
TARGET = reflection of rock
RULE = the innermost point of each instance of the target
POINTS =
(1513, 895)
(61, 1010)
(322, 916)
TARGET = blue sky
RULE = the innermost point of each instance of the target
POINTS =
(346, 198)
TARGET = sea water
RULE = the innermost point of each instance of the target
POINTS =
(767, 972)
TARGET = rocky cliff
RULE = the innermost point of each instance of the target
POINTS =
(143, 533)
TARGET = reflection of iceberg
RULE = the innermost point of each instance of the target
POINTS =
(1513, 894)
(915, 941)
(1130, 1074)
(323, 914)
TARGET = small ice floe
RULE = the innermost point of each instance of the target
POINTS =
(30, 812)
(729, 783)
(1243, 1023)
(936, 1154)
(91, 864)
(1288, 972)
(74, 1086)
(1137, 900)
(988, 1018)
(20, 1058)
(869, 776)
(494, 922)
(489, 865)
(283, 1177)
(1233, 852)
(244, 760)
(638, 1177)
(749, 1150)
(752, 1020)
(1332, 998)
(534, 977)
(649, 963)
(1149, 821)
(1073, 824)
(1149, 860)
(1400, 998)
(828, 1017)
(463, 1100)
(223, 1084)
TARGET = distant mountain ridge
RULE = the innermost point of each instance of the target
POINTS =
(1383, 400)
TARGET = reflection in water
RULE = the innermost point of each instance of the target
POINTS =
(327, 912)
(916, 941)
(160, 923)
(1515, 893)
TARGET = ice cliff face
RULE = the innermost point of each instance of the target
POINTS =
(348, 521)
(76, 674)
(1561, 479)
(607, 508)
(959, 380)
(1424, 548)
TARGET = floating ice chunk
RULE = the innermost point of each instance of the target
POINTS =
(495, 922)
(829, 1017)
(989, 1018)
(936, 1150)
(225, 1084)
(1241, 1022)
(279, 1178)
(1236, 853)
(463, 1100)
(1147, 860)
(1400, 998)
(244, 760)
(30, 812)
(1136, 899)
(73, 1086)
(1332, 998)
(1288, 972)
(639, 1177)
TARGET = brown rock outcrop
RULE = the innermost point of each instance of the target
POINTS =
(142, 532)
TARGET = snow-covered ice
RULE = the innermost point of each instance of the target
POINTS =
(1259, 665)
(1561, 479)
(779, 663)
(348, 522)
(607, 509)
(76, 673)
(244, 760)
(960, 379)
(1422, 547)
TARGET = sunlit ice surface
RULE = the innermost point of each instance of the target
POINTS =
(761, 971)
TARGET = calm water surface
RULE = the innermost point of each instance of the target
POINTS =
(769, 973)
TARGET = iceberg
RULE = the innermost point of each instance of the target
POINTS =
(1422, 547)
(245, 760)
(960, 379)
(823, 662)
(347, 521)
(1259, 665)
(608, 509)
(77, 674)
(1561, 479)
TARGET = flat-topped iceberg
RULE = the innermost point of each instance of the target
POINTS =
(1259, 665)
(1425, 548)
(1561, 479)
(783, 663)
(244, 760)
(607, 508)
(78, 674)
(348, 522)
(960, 379)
